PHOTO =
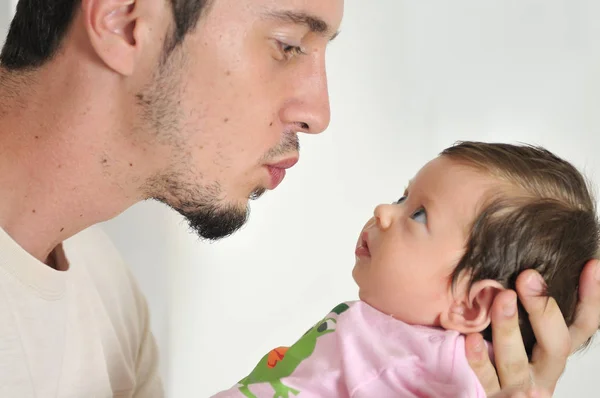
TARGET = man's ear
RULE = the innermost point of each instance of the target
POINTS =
(113, 32)
(471, 313)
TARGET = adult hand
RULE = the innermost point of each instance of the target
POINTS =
(555, 341)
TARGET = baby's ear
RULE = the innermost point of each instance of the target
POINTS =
(471, 313)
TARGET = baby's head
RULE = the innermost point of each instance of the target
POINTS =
(469, 222)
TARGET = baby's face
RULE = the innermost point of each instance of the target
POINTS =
(407, 252)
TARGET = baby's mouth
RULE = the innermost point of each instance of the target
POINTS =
(362, 250)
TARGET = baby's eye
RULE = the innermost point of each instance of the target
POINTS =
(420, 216)
(402, 199)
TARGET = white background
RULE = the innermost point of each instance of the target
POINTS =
(407, 78)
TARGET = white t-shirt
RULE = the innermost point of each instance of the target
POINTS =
(80, 333)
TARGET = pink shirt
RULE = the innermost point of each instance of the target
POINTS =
(357, 351)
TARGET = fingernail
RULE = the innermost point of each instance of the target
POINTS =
(478, 348)
(597, 274)
(535, 283)
(510, 308)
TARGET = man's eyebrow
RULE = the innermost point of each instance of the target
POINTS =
(314, 23)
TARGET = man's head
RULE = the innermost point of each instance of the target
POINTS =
(204, 97)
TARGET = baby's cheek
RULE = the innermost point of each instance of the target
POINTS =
(424, 308)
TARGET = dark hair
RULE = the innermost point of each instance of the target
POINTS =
(39, 27)
(541, 217)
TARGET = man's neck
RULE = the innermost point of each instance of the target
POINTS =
(59, 174)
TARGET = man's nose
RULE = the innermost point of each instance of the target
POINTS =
(308, 109)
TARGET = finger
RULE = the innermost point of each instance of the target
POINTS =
(510, 356)
(477, 356)
(587, 315)
(553, 344)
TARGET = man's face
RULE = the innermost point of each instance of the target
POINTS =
(225, 107)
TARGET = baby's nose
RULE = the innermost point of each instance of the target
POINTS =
(384, 215)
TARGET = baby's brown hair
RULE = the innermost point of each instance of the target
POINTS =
(542, 216)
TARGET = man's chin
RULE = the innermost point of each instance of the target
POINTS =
(216, 222)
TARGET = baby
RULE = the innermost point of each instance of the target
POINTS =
(428, 268)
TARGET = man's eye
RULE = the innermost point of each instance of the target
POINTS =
(420, 216)
(290, 50)
(401, 200)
